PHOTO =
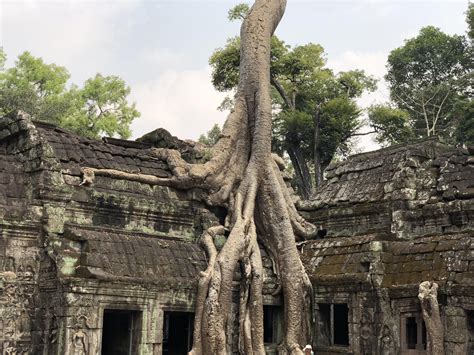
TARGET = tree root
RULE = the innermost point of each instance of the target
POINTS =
(428, 296)
(243, 176)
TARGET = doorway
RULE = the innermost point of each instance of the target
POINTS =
(120, 332)
(177, 333)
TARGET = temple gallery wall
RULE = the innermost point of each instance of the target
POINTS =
(112, 267)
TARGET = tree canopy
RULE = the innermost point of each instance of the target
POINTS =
(315, 112)
(99, 107)
(430, 81)
(470, 21)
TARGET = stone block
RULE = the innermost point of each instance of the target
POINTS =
(455, 329)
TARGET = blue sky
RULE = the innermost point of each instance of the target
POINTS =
(161, 48)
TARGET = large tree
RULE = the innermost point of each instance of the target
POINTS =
(430, 80)
(315, 109)
(244, 176)
(99, 107)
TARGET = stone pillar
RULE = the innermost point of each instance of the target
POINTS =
(456, 337)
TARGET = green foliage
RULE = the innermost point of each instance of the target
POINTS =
(470, 21)
(40, 89)
(225, 62)
(291, 128)
(211, 137)
(391, 124)
(31, 86)
(3, 59)
(430, 58)
(238, 12)
(463, 113)
(426, 78)
(339, 120)
(301, 86)
(104, 108)
(225, 65)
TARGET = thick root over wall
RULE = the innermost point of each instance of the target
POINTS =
(244, 177)
(428, 296)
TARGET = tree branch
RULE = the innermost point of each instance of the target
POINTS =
(439, 110)
(363, 134)
(281, 90)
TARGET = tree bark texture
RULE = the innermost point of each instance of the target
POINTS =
(428, 296)
(244, 177)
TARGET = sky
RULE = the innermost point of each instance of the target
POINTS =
(161, 47)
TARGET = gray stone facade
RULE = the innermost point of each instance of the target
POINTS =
(78, 261)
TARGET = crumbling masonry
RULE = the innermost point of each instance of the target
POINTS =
(112, 268)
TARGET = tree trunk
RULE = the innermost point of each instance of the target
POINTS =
(244, 177)
(428, 296)
(303, 176)
(318, 169)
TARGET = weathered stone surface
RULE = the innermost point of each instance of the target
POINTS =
(389, 220)
(416, 203)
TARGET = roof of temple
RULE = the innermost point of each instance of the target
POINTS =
(120, 256)
(74, 152)
(407, 172)
(406, 215)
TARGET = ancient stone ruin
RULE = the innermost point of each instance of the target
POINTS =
(112, 267)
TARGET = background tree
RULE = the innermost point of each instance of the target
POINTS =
(98, 108)
(314, 109)
(430, 81)
(211, 137)
(470, 21)
(392, 124)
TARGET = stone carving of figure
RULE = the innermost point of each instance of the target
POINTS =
(29, 273)
(79, 343)
(24, 322)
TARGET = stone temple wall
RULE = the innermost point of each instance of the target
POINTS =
(68, 252)
(71, 253)
(393, 219)
(73, 257)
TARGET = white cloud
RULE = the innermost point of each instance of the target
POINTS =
(79, 35)
(162, 58)
(183, 102)
(372, 62)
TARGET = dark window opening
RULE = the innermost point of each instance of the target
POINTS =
(321, 233)
(365, 266)
(470, 329)
(341, 324)
(413, 332)
(177, 333)
(333, 324)
(272, 323)
(120, 332)
(423, 335)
